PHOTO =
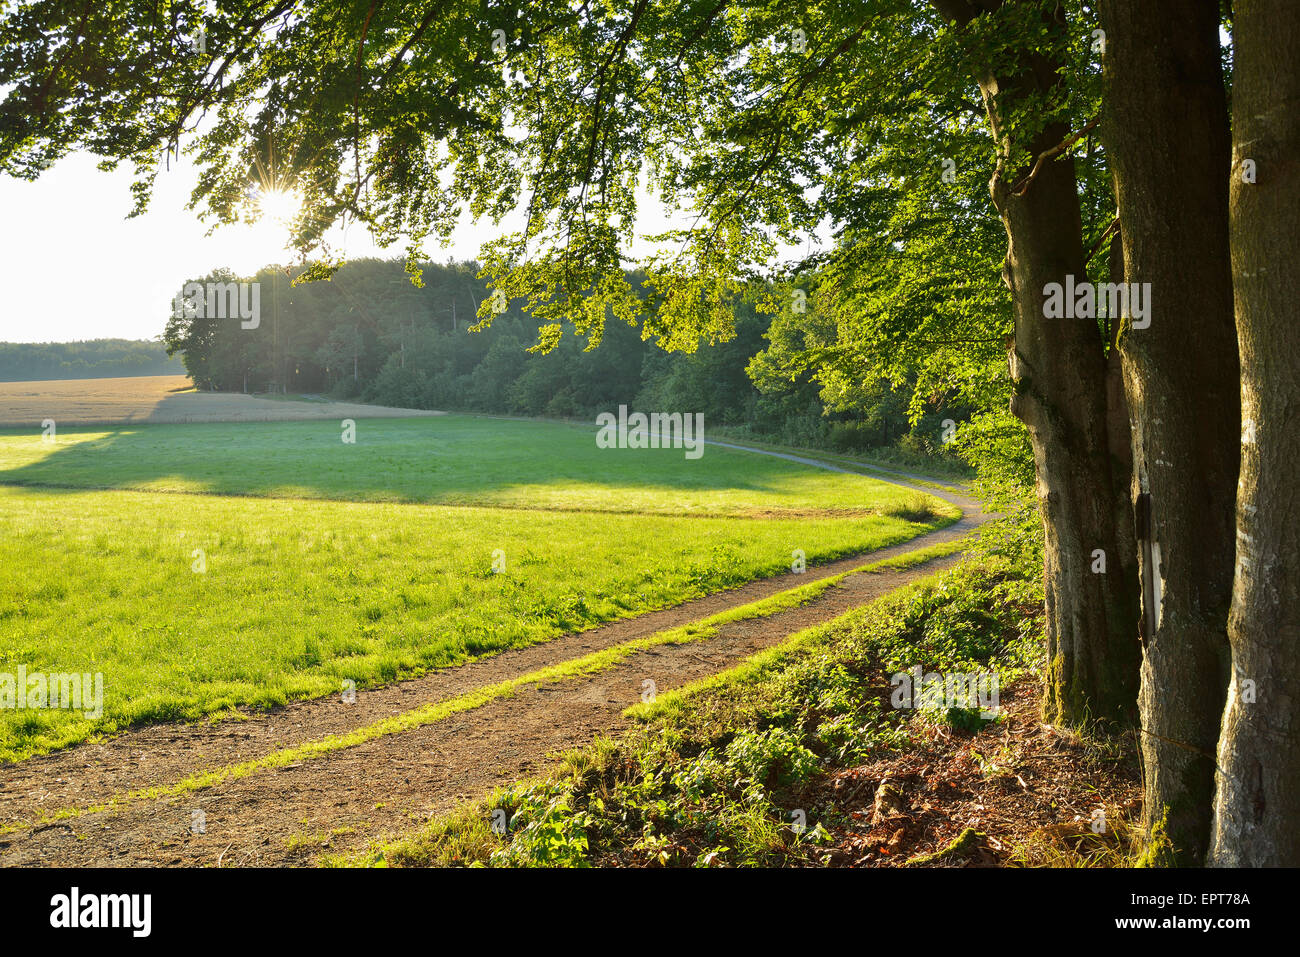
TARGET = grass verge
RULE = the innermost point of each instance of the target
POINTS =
(726, 771)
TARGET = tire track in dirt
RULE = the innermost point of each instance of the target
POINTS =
(346, 799)
(390, 783)
(91, 773)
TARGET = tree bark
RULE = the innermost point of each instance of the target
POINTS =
(1065, 396)
(1166, 131)
(1257, 806)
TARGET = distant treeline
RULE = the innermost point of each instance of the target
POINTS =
(370, 334)
(92, 359)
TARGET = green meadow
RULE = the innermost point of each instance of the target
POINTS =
(448, 460)
(294, 562)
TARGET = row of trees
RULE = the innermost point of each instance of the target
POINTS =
(966, 156)
(92, 359)
(367, 332)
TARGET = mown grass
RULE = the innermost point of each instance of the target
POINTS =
(298, 595)
(301, 592)
(463, 460)
(436, 711)
(716, 773)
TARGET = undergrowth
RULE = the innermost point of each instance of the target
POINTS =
(724, 773)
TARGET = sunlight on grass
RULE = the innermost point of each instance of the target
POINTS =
(296, 596)
(447, 460)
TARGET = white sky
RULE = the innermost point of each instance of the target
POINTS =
(73, 267)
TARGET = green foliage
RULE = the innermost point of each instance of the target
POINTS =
(769, 123)
(989, 613)
(772, 758)
(997, 445)
(368, 333)
(546, 831)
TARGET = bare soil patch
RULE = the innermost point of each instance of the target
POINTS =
(1029, 793)
(163, 399)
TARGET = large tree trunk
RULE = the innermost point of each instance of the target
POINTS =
(1064, 395)
(1257, 804)
(1166, 130)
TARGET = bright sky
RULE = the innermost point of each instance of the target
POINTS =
(73, 267)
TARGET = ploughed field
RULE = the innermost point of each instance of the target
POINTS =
(165, 398)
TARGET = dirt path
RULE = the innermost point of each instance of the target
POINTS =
(346, 798)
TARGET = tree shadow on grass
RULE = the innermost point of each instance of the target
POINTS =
(442, 460)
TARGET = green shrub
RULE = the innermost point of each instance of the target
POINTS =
(774, 756)
(546, 832)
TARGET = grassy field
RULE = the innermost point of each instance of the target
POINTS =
(462, 460)
(323, 561)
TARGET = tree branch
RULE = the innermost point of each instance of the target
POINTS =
(1057, 150)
